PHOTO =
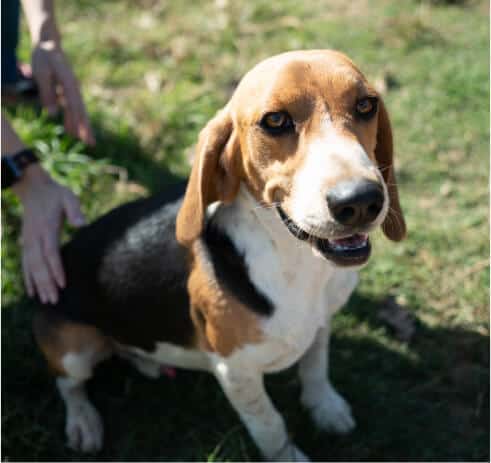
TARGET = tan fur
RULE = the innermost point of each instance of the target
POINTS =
(223, 324)
(213, 176)
(57, 337)
(394, 225)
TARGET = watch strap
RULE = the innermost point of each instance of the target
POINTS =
(13, 166)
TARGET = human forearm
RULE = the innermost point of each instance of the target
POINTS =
(41, 21)
(11, 143)
(58, 86)
(45, 204)
(33, 173)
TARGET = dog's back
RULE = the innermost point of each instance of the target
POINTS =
(126, 274)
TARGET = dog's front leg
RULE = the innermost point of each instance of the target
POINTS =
(245, 390)
(329, 410)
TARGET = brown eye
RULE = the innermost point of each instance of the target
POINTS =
(275, 120)
(277, 123)
(366, 107)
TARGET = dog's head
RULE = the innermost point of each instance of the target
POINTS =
(307, 135)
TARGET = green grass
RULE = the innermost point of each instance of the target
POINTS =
(152, 74)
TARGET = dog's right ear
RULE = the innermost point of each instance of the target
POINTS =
(394, 226)
(214, 175)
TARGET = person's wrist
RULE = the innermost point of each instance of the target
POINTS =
(47, 32)
(32, 176)
(49, 45)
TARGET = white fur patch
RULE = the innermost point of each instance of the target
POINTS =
(329, 410)
(286, 272)
(330, 158)
(171, 355)
(83, 427)
(245, 389)
(78, 365)
(340, 287)
(304, 291)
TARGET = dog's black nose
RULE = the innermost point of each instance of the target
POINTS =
(356, 202)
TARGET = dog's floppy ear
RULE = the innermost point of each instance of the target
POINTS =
(214, 176)
(394, 225)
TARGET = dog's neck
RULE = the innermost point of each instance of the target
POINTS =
(254, 227)
(281, 267)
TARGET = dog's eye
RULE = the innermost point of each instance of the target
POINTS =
(275, 120)
(277, 123)
(366, 107)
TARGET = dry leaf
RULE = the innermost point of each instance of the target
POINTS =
(153, 79)
(380, 85)
(398, 318)
(221, 4)
(146, 21)
(130, 187)
(385, 82)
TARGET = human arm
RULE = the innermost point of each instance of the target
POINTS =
(57, 84)
(45, 204)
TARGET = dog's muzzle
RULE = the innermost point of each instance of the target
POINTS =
(347, 251)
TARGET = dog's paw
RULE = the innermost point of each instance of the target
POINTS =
(331, 412)
(290, 453)
(84, 428)
(298, 455)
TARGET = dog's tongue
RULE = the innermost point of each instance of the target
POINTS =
(353, 241)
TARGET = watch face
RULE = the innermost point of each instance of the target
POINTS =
(10, 172)
(13, 166)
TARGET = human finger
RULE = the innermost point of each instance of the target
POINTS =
(47, 91)
(27, 278)
(43, 280)
(71, 206)
(68, 119)
(51, 251)
(85, 132)
(75, 108)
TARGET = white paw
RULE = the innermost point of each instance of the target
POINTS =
(298, 455)
(148, 368)
(84, 428)
(290, 453)
(331, 412)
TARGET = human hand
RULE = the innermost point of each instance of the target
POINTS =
(45, 203)
(58, 86)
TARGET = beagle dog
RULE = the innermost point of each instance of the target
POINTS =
(239, 271)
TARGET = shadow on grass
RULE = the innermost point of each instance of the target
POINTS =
(116, 142)
(121, 147)
(430, 405)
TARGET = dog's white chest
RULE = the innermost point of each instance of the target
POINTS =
(290, 276)
(296, 284)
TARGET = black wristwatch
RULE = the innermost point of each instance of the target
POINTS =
(13, 166)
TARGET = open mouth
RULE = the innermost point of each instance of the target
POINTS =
(349, 250)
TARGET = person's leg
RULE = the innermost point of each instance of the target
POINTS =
(10, 39)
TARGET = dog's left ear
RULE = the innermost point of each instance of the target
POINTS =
(214, 175)
(394, 225)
